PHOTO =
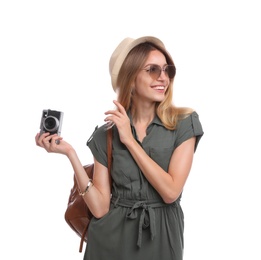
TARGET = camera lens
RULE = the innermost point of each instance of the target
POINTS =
(51, 123)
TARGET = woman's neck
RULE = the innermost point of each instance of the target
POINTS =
(143, 114)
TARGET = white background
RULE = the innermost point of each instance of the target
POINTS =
(55, 54)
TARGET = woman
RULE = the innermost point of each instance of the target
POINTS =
(137, 212)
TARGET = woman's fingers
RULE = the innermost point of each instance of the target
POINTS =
(118, 113)
(39, 138)
(120, 107)
(46, 140)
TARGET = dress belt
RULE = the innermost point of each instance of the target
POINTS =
(147, 217)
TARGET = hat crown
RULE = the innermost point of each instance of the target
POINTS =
(118, 51)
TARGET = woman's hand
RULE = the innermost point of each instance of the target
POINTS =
(121, 120)
(53, 143)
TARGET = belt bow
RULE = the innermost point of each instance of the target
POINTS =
(147, 219)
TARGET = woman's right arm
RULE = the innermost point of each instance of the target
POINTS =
(98, 196)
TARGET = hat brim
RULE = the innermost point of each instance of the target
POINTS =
(122, 51)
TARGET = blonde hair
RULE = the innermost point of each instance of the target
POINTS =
(168, 113)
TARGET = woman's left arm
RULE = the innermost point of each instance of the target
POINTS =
(168, 184)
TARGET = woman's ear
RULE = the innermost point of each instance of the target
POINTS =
(132, 88)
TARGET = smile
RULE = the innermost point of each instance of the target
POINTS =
(159, 87)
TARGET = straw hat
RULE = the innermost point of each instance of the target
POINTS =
(122, 50)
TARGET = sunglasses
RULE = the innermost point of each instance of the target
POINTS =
(155, 70)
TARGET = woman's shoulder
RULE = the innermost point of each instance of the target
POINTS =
(188, 126)
(189, 119)
(188, 114)
(99, 133)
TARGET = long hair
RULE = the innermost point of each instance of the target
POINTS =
(168, 113)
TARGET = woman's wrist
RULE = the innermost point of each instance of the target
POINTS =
(130, 142)
(71, 153)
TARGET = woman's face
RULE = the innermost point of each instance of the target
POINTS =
(149, 88)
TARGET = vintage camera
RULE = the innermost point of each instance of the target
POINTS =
(51, 122)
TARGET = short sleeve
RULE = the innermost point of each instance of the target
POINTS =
(188, 128)
(98, 145)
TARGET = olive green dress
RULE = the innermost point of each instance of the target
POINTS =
(139, 225)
